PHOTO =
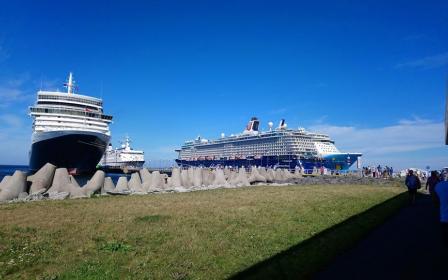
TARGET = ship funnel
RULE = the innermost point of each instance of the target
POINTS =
(253, 124)
(282, 124)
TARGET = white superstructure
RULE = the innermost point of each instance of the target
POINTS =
(59, 111)
(254, 143)
(124, 157)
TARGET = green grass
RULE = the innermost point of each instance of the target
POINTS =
(200, 235)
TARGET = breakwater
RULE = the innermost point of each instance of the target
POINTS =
(51, 182)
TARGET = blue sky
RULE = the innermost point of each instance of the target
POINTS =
(372, 74)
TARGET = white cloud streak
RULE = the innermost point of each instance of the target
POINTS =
(406, 136)
(397, 144)
(428, 62)
(11, 121)
(14, 138)
(12, 92)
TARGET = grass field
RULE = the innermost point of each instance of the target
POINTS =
(200, 235)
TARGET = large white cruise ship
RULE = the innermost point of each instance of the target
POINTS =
(69, 130)
(277, 147)
(124, 159)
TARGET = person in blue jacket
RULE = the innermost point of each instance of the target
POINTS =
(413, 183)
(441, 190)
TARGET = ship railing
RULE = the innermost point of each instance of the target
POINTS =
(68, 112)
(84, 99)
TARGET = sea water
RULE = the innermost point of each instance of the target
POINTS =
(10, 169)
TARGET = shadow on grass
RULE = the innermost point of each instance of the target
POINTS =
(303, 260)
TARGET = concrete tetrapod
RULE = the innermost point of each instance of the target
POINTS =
(176, 181)
(157, 182)
(13, 186)
(220, 178)
(75, 191)
(146, 179)
(262, 172)
(287, 175)
(232, 177)
(255, 176)
(227, 173)
(145, 175)
(241, 180)
(197, 177)
(95, 183)
(3, 182)
(279, 176)
(74, 182)
(185, 179)
(207, 178)
(166, 181)
(135, 184)
(42, 179)
(146, 186)
(64, 185)
(168, 185)
(122, 186)
(270, 175)
(204, 176)
(60, 180)
(298, 172)
(191, 176)
(108, 185)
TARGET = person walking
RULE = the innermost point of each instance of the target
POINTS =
(413, 183)
(442, 192)
(431, 183)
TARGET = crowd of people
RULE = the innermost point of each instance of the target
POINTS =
(437, 186)
(378, 171)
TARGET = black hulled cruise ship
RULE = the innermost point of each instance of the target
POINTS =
(69, 130)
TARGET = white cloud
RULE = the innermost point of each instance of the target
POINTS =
(11, 95)
(408, 143)
(389, 143)
(11, 120)
(11, 91)
(428, 62)
(14, 138)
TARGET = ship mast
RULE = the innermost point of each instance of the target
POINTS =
(70, 83)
